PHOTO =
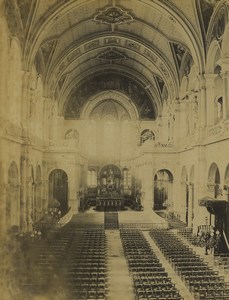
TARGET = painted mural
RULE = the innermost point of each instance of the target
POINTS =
(116, 82)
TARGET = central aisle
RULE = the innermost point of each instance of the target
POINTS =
(120, 284)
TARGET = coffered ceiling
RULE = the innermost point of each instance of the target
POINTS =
(150, 44)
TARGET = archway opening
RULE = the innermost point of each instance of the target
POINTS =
(163, 181)
(58, 190)
(214, 181)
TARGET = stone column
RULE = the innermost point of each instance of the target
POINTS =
(182, 206)
(45, 197)
(25, 103)
(147, 186)
(45, 120)
(54, 121)
(210, 97)
(202, 108)
(23, 195)
(176, 121)
(164, 128)
(29, 204)
(190, 204)
(182, 125)
(225, 76)
(3, 189)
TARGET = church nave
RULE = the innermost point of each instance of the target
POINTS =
(87, 261)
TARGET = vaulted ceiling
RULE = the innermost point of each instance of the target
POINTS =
(141, 48)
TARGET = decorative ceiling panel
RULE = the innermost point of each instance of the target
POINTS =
(132, 37)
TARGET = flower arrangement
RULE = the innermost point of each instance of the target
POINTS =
(207, 237)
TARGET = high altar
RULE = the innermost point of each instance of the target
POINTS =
(110, 194)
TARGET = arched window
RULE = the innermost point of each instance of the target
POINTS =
(219, 109)
(146, 135)
(92, 178)
(214, 181)
(126, 179)
(58, 190)
(163, 180)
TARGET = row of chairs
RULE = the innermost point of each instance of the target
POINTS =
(202, 280)
(87, 265)
(187, 234)
(222, 262)
(150, 280)
(45, 259)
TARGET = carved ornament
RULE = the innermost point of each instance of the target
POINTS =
(113, 16)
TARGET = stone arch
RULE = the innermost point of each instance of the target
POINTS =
(213, 56)
(13, 196)
(225, 41)
(116, 96)
(147, 134)
(214, 181)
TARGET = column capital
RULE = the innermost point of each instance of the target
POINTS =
(210, 76)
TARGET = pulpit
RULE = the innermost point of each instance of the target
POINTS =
(220, 209)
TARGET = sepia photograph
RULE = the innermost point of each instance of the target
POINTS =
(114, 149)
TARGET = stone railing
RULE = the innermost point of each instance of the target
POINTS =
(153, 146)
(164, 145)
(63, 143)
(66, 218)
(215, 130)
(156, 144)
(219, 131)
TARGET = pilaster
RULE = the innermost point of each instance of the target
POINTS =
(210, 97)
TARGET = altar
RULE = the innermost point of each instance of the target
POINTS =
(110, 202)
(110, 195)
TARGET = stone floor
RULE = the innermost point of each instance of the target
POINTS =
(119, 280)
(120, 285)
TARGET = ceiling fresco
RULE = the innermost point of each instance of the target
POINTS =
(112, 82)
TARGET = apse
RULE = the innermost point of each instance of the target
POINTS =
(108, 126)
